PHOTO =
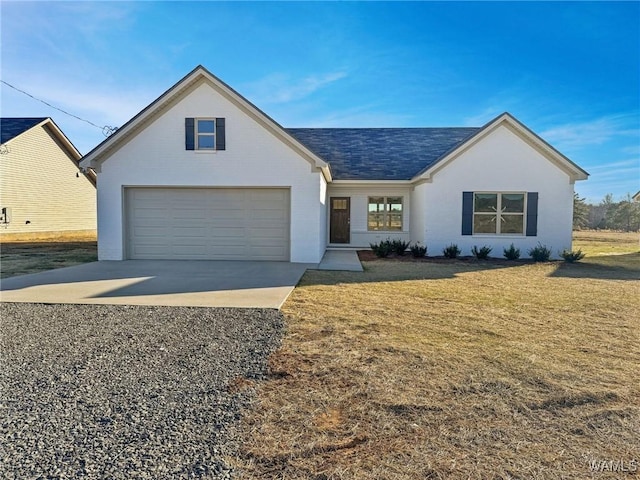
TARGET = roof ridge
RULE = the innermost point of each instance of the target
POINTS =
(380, 128)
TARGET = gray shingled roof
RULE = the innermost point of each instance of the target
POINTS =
(380, 153)
(12, 127)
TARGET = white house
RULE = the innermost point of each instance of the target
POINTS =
(43, 192)
(201, 173)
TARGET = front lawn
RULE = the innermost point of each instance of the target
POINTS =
(455, 370)
(21, 258)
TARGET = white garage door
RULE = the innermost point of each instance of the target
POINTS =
(207, 223)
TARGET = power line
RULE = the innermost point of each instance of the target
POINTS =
(106, 129)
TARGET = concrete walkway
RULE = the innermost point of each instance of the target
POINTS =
(160, 282)
(345, 260)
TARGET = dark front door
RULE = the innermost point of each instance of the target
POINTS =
(339, 231)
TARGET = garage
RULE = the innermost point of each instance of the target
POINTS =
(207, 223)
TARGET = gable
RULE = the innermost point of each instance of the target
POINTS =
(42, 186)
(521, 137)
(218, 92)
(12, 128)
(503, 159)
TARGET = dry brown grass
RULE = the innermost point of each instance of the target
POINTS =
(49, 237)
(453, 370)
(21, 258)
(606, 242)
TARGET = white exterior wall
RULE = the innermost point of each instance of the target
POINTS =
(500, 162)
(359, 194)
(324, 214)
(38, 182)
(418, 214)
(156, 156)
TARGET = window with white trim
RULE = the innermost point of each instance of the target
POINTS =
(384, 213)
(497, 213)
(205, 133)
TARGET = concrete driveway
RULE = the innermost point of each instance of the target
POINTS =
(160, 282)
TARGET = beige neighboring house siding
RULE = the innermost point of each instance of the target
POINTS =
(40, 185)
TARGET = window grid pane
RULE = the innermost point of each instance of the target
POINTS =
(206, 126)
(206, 142)
(339, 204)
(395, 221)
(513, 202)
(483, 223)
(376, 221)
(486, 202)
(512, 224)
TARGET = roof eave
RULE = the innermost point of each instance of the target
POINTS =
(70, 147)
(371, 181)
(89, 173)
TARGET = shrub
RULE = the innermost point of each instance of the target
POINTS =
(418, 250)
(540, 253)
(481, 253)
(511, 253)
(571, 256)
(452, 251)
(382, 249)
(399, 247)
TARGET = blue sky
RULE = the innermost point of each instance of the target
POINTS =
(570, 71)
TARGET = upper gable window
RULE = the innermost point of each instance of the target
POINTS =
(205, 134)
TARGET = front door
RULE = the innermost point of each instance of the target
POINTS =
(339, 231)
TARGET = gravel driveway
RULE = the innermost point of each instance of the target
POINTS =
(90, 391)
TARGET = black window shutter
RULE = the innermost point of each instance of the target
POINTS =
(532, 214)
(189, 134)
(220, 137)
(467, 213)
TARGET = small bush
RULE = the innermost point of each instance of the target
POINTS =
(399, 247)
(482, 253)
(418, 251)
(452, 251)
(571, 256)
(511, 253)
(382, 249)
(540, 253)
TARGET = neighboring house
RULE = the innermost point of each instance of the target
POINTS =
(201, 173)
(636, 197)
(42, 189)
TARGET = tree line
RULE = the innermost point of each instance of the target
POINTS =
(608, 214)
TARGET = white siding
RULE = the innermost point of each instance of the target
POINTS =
(322, 217)
(418, 205)
(502, 161)
(39, 182)
(360, 235)
(156, 156)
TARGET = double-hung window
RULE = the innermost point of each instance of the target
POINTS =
(384, 213)
(499, 213)
(205, 134)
